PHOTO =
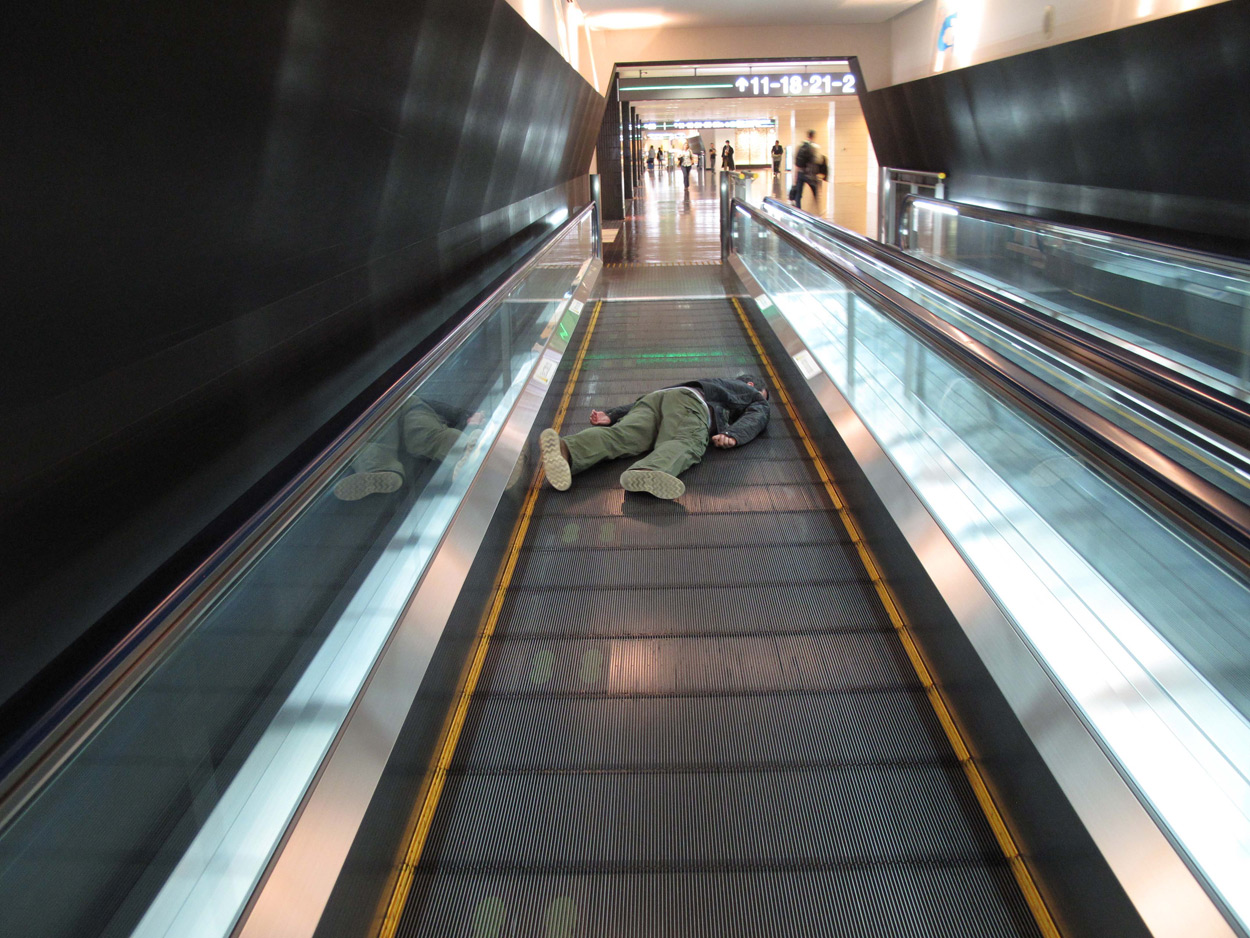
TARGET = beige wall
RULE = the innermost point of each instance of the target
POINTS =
(870, 43)
(994, 29)
(852, 169)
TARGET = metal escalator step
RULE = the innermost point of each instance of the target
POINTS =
(665, 567)
(532, 733)
(663, 280)
(694, 532)
(848, 901)
(659, 369)
(719, 468)
(619, 613)
(704, 499)
(706, 664)
(662, 337)
(893, 813)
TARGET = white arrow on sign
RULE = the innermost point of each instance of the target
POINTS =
(741, 84)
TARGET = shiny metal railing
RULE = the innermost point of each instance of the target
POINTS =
(1104, 587)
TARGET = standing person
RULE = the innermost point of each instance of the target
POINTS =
(727, 157)
(651, 156)
(673, 426)
(778, 152)
(686, 161)
(711, 157)
(659, 155)
(806, 166)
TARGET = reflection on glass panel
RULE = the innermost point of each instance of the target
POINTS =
(163, 822)
(1147, 631)
(1177, 309)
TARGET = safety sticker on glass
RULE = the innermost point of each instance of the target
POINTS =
(807, 364)
(546, 368)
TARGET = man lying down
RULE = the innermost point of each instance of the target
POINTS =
(672, 426)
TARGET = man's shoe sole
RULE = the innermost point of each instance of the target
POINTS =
(559, 472)
(359, 484)
(654, 482)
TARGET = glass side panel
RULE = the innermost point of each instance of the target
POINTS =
(1148, 634)
(164, 820)
(1215, 459)
(1189, 313)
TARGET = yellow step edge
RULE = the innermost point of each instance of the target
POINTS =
(1006, 843)
(419, 823)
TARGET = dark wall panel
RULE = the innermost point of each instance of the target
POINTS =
(609, 158)
(1145, 126)
(223, 223)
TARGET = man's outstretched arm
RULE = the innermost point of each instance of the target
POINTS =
(747, 427)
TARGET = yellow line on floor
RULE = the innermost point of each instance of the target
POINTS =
(1005, 841)
(420, 821)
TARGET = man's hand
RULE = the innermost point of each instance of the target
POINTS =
(600, 419)
(724, 441)
(475, 419)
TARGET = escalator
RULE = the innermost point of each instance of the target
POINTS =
(696, 717)
(939, 653)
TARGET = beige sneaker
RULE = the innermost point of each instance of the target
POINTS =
(469, 440)
(555, 460)
(653, 481)
(359, 484)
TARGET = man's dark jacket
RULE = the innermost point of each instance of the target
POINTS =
(738, 410)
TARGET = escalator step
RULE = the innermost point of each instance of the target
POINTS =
(667, 567)
(739, 609)
(851, 901)
(531, 733)
(664, 820)
(823, 661)
(721, 469)
(585, 500)
(695, 531)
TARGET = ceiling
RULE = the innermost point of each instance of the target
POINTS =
(648, 14)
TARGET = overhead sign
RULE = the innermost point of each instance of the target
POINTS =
(742, 86)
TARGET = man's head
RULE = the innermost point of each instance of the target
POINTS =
(754, 382)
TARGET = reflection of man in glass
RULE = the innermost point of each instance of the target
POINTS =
(426, 429)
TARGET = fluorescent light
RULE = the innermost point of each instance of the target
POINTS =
(626, 20)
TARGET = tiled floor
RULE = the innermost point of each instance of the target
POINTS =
(667, 223)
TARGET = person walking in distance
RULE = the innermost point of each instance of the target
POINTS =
(778, 152)
(727, 157)
(672, 427)
(806, 165)
(687, 163)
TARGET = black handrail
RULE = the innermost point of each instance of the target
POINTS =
(52, 739)
(1000, 216)
(1206, 406)
(1208, 511)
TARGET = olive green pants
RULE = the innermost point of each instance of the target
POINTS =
(423, 433)
(670, 426)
